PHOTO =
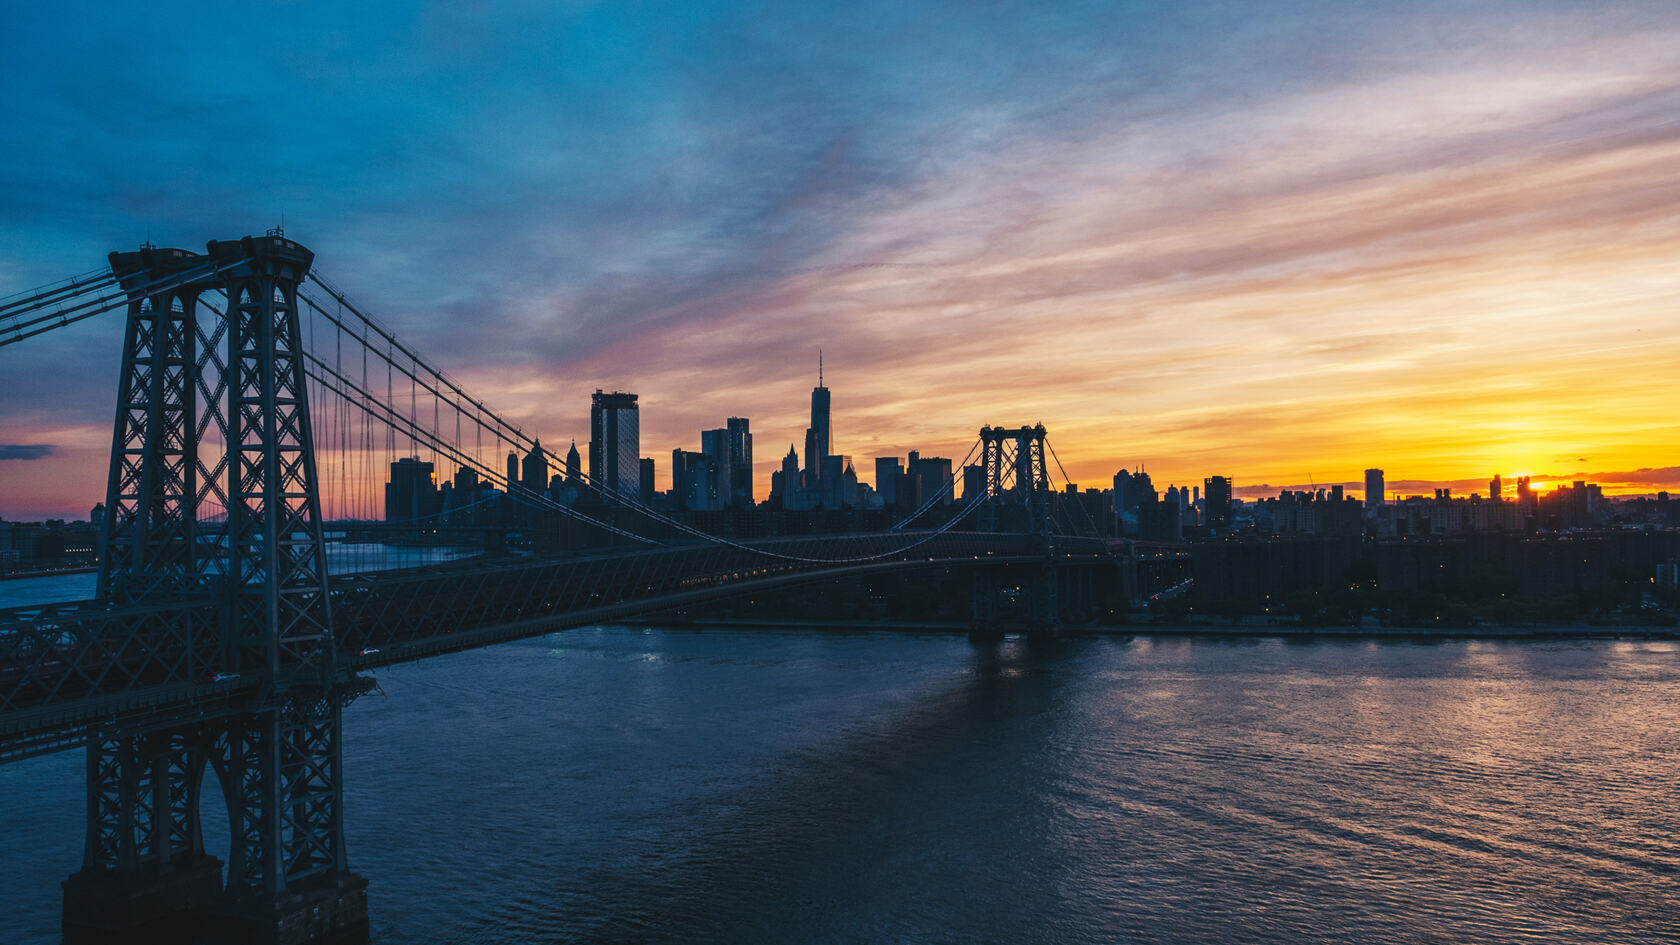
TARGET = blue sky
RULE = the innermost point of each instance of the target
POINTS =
(1141, 223)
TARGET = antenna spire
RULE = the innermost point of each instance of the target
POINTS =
(819, 367)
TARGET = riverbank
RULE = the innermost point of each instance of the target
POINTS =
(19, 575)
(1574, 631)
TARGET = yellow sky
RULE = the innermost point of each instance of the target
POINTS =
(1446, 276)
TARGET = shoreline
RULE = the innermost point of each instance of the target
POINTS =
(1565, 632)
(19, 575)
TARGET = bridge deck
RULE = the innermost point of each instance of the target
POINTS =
(65, 666)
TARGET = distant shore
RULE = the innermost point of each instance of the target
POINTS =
(15, 575)
(1569, 631)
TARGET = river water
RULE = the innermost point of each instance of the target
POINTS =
(616, 784)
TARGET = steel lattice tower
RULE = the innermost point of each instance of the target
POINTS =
(1013, 463)
(197, 436)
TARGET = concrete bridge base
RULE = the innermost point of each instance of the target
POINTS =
(1043, 633)
(332, 913)
(184, 903)
(166, 905)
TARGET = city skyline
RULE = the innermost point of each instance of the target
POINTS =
(1432, 238)
(868, 470)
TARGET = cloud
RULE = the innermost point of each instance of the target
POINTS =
(25, 451)
(1278, 242)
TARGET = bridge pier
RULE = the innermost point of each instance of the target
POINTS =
(158, 904)
(1023, 599)
(332, 911)
(145, 876)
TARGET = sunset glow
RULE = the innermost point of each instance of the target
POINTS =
(1355, 243)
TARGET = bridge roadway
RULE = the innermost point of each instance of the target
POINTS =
(64, 667)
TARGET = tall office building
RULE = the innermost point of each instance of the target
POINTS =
(817, 437)
(1124, 501)
(784, 482)
(615, 445)
(974, 481)
(694, 481)
(935, 472)
(887, 469)
(411, 493)
(730, 446)
(1217, 491)
(1373, 488)
(1496, 489)
(574, 466)
(512, 470)
(740, 463)
(534, 471)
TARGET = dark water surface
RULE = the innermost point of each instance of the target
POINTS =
(629, 785)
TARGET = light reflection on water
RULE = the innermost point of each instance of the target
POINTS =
(610, 784)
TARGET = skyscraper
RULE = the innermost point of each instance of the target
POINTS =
(694, 481)
(574, 466)
(1373, 488)
(784, 482)
(411, 493)
(935, 472)
(645, 489)
(740, 463)
(730, 447)
(887, 469)
(534, 471)
(1217, 490)
(1496, 489)
(817, 437)
(615, 446)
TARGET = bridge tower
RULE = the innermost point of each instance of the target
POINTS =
(1012, 461)
(198, 435)
(1018, 499)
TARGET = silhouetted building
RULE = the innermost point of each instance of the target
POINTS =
(411, 493)
(1217, 491)
(694, 481)
(730, 447)
(646, 471)
(908, 491)
(1373, 488)
(935, 473)
(1311, 513)
(887, 470)
(974, 481)
(784, 482)
(574, 466)
(615, 446)
(461, 504)
(818, 435)
(534, 470)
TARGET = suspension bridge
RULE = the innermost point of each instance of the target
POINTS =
(238, 608)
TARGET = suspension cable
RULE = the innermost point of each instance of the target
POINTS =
(516, 437)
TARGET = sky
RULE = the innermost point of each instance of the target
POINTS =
(1280, 242)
